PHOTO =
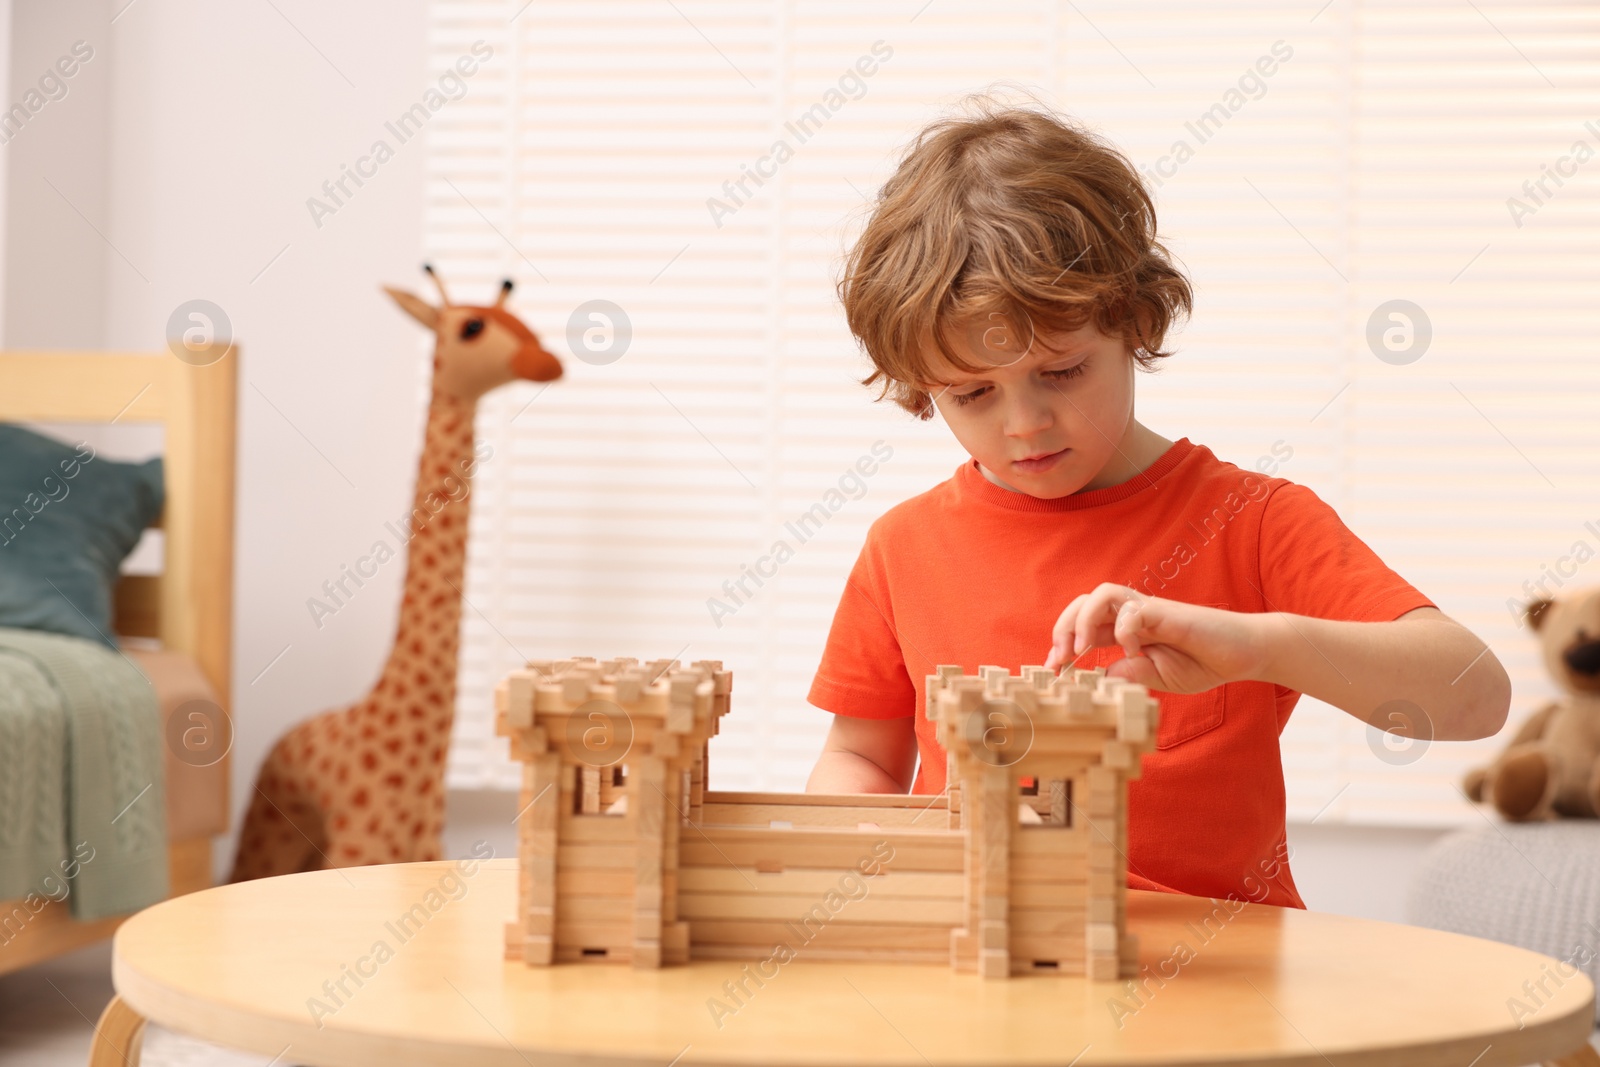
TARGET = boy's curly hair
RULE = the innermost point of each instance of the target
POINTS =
(1012, 211)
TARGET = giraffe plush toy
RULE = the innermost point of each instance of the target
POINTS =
(365, 784)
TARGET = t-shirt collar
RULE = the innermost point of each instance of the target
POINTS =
(972, 484)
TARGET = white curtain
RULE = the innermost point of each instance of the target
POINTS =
(702, 167)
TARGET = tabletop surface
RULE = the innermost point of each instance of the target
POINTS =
(404, 964)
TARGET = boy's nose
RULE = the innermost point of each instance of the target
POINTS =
(1026, 417)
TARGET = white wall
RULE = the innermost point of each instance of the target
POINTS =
(193, 156)
(57, 175)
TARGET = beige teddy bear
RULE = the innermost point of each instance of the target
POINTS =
(1552, 766)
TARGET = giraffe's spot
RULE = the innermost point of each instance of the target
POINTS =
(369, 761)
(392, 745)
(390, 718)
(341, 821)
(360, 797)
(394, 781)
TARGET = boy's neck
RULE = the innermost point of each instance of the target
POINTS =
(1139, 448)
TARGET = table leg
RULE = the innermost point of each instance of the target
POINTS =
(119, 1036)
(1582, 1056)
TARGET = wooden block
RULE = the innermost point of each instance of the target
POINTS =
(597, 829)
(816, 882)
(1117, 755)
(805, 846)
(541, 922)
(994, 963)
(538, 951)
(1045, 841)
(716, 813)
(878, 802)
(595, 881)
(647, 924)
(1067, 922)
(1070, 893)
(589, 855)
(590, 797)
(575, 687)
(1104, 968)
(519, 699)
(1133, 716)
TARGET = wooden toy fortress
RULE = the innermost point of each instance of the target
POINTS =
(626, 856)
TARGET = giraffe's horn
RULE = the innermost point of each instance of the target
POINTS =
(505, 291)
(444, 297)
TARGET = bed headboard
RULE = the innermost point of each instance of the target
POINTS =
(189, 606)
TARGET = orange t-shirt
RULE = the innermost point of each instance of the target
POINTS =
(974, 574)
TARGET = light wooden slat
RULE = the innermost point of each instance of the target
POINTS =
(778, 907)
(800, 880)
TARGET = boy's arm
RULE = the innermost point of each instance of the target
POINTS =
(866, 756)
(1424, 658)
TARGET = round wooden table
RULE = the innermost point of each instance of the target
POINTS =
(403, 965)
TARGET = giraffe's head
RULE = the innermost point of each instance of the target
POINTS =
(476, 349)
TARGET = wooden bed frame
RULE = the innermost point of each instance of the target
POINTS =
(189, 606)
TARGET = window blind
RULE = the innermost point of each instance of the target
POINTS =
(702, 167)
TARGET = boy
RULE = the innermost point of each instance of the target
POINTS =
(1010, 277)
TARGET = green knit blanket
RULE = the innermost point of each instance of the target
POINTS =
(82, 796)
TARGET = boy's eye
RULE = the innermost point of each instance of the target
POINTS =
(963, 399)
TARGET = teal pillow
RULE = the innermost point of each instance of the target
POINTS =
(68, 518)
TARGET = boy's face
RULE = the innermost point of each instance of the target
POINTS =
(1046, 418)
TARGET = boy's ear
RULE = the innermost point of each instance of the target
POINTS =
(1536, 611)
(416, 307)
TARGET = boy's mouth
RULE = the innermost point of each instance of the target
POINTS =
(1039, 462)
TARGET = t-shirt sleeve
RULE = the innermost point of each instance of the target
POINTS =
(1312, 564)
(863, 671)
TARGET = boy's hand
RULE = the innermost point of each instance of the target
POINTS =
(1170, 645)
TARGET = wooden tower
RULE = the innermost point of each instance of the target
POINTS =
(1046, 880)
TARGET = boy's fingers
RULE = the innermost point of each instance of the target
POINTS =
(1098, 616)
(1059, 634)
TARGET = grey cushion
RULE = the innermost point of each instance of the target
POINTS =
(1534, 885)
(68, 518)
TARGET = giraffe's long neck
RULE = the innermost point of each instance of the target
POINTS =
(419, 680)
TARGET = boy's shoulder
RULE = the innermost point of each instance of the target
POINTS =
(919, 511)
